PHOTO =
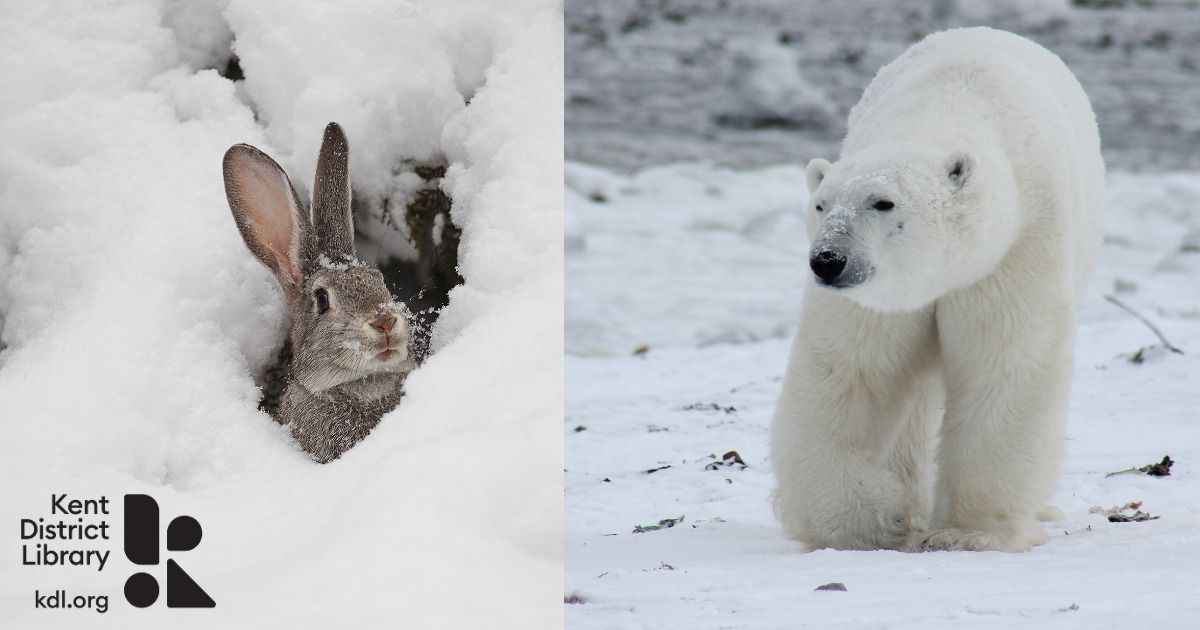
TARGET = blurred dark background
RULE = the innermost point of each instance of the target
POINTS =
(751, 82)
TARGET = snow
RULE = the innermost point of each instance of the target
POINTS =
(702, 268)
(132, 317)
(663, 259)
(765, 88)
(326, 263)
(1032, 12)
(645, 79)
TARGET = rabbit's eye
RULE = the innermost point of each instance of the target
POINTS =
(883, 205)
(321, 298)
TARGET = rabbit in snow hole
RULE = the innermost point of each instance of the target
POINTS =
(350, 338)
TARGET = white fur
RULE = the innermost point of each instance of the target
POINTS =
(924, 407)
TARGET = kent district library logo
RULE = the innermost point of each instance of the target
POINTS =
(47, 543)
(141, 547)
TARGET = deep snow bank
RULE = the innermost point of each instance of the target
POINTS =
(134, 317)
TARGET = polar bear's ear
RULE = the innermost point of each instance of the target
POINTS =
(959, 168)
(816, 172)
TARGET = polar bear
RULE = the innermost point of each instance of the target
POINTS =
(925, 397)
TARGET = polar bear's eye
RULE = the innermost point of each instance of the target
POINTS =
(820, 209)
(884, 205)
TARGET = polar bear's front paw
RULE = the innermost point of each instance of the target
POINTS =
(895, 528)
(887, 526)
(1011, 536)
(955, 540)
(872, 511)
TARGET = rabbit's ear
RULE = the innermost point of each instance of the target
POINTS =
(269, 215)
(331, 195)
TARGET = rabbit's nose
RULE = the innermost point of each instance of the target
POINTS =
(383, 323)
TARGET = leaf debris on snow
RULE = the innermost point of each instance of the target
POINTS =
(650, 471)
(832, 586)
(574, 598)
(665, 523)
(1161, 469)
(1117, 514)
(710, 407)
(728, 459)
(1137, 517)
(1145, 352)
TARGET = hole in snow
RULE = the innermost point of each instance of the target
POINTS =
(423, 269)
(411, 239)
(274, 379)
(233, 69)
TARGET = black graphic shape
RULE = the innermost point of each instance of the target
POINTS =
(141, 547)
(141, 589)
(182, 590)
(141, 529)
(183, 534)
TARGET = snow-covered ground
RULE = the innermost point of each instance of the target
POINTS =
(133, 320)
(700, 271)
(759, 82)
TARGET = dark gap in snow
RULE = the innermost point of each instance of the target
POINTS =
(423, 283)
(275, 379)
(233, 69)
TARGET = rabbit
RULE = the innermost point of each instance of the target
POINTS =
(350, 339)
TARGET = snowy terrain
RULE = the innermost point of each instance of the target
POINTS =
(652, 82)
(686, 262)
(133, 320)
(700, 270)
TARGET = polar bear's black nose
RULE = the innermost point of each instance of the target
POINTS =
(827, 264)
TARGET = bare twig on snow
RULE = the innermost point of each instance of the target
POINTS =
(1128, 309)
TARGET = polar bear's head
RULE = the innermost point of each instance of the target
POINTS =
(896, 229)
